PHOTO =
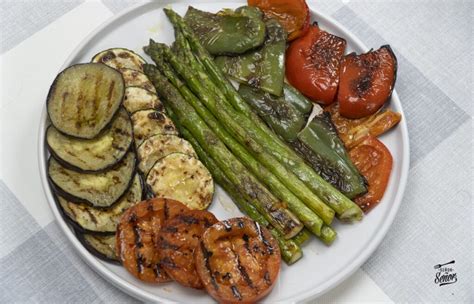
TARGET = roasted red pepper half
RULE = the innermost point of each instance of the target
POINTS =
(366, 82)
(313, 62)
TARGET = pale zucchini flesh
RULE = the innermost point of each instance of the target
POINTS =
(119, 58)
(137, 99)
(134, 78)
(147, 123)
(159, 146)
(84, 98)
(103, 220)
(101, 246)
(95, 154)
(97, 189)
(183, 178)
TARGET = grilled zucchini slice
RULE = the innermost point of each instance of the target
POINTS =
(84, 98)
(119, 58)
(134, 78)
(97, 189)
(101, 246)
(104, 220)
(92, 155)
(159, 146)
(151, 122)
(137, 99)
(183, 178)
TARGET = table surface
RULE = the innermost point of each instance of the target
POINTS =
(433, 41)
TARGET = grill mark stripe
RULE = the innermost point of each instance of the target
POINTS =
(244, 274)
(264, 240)
(207, 255)
(236, 292)
(92, 216)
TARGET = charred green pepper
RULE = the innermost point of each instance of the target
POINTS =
(226, 32)
(264, 67)
(319, 144)
(286, 115)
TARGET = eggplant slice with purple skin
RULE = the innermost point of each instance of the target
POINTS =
(84, 98)
(101, 246)
(88, 219)
(96, 154)
(100, 190)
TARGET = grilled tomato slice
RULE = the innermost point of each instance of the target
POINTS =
(238, 261)
(292, 14)
(366, 82)
(312, 64)
(137, 236)
(374, 162)
(177, 241)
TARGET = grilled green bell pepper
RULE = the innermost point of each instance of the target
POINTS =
(227, 32)
(263, 68)
(282, 114)
(319, 144)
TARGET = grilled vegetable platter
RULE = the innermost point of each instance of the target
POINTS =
(259, 101)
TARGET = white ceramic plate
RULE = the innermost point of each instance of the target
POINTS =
(321, 268)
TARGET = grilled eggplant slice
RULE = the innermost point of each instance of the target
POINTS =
(97, 189)
(159, 146)
(147, 123)
(103, 220)
(84, 98)
(135, 78)
(102, 246)
(119, 58)
(137, 99)
(92, 155)
(183, 178)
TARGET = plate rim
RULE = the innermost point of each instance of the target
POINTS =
(134, 290)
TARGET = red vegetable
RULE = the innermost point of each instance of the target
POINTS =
(366, 82)
(312, 64)
(374, 162)
(292, 14)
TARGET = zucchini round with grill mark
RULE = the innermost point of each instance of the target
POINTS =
(84, 98)
(119, 58)
(137, 99)
(183, 178)
(101, 246)
(159, 146)
(97, 189)
(103, 220)
(134, 78)
(147, 123)
(97, 154)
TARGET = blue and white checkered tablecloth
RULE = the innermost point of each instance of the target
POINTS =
(433, 41)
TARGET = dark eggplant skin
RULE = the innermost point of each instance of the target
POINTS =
(81, 229)
(51, 91)
(75, 199)
(67, 165)
(93, 251)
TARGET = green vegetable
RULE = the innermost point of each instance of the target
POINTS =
(214, 105)
(320, 145)
(256, 193)
(226, 32)
(263, 68)
(290, 251)
(343, 206)
(309, 219)
(279, 114)
(297, 100)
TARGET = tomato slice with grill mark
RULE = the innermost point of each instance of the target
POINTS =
(178, 239)
(313, 63)
(137, 236)
(238, 261)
